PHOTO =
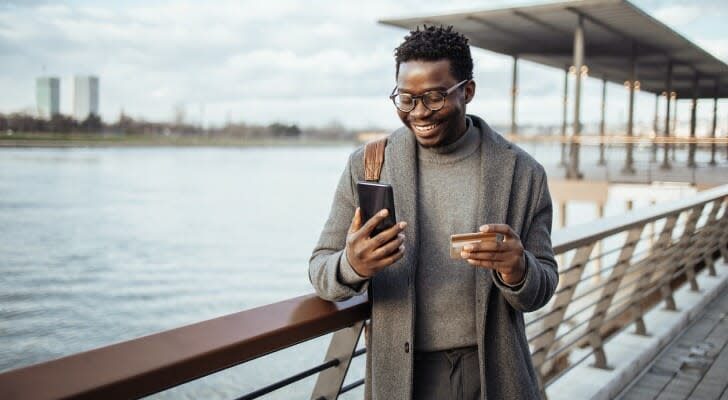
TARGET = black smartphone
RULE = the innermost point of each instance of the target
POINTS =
(373, 197)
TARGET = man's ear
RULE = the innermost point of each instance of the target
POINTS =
(469, 91)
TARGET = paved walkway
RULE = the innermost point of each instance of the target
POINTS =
(695, 365)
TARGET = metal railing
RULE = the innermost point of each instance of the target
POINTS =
(652, 251)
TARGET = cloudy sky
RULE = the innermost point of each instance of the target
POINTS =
(306, 62)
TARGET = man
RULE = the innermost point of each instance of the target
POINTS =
(443, 328)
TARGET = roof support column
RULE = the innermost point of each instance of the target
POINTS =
(602, 129)
(666, 136)
(629, 147)
(693, 111)
(563, 120)
(655, 128)
(514, 94)
(572, 171)
(673, 128)
(713, 146)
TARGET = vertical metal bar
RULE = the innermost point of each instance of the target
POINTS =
(514, 95)
(655, 129)
(687, 242)
(342, 347)
(713, 146)
(602, 123)
(568, 280)
(563, 119)
(629, 159)
(668, 90)
(711, 236)
(657, 250)
(673, 147)
(607, 295)
(693, 111)
(572, 171)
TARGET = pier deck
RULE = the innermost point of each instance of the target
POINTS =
(694, 365)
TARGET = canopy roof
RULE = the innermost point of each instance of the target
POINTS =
(613, 30)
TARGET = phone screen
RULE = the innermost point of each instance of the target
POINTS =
(373, 197)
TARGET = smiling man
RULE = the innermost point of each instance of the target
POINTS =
(443, 328)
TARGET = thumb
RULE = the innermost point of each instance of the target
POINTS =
(356, 221)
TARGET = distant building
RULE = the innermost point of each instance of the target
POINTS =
(48, 96)
(85, 97)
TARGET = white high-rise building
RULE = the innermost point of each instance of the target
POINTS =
(48, 96)
(85, 97)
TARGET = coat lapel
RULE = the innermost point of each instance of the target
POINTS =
(497, 164)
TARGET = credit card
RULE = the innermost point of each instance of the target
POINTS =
(457, 242)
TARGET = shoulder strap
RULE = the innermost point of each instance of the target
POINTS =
(374, 158)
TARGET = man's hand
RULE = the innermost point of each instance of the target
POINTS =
(370, 255)
(505, 257)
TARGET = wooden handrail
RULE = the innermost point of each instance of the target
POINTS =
(157, 362)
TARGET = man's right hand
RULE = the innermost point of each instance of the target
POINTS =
(368, 255)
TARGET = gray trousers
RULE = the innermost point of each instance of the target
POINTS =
(448, 374)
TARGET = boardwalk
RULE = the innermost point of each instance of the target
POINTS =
(695, 365)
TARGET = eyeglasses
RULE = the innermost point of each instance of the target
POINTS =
(432, 100)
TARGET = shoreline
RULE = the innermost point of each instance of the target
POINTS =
(77, 141)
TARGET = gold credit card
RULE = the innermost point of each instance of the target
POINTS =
(457, 242)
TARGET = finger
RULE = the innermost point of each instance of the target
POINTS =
(389, 247)
(482, 263)
(486, 256)
(387, 235)
(501, 247)
(370, 225)
(503, 229)
(356, 221)
(389, 260)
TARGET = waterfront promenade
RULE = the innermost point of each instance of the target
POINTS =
(694, 365)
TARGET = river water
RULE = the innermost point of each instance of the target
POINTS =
(104, 245)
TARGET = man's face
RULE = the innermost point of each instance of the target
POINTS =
(434, 128)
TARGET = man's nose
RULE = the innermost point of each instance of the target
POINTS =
(420, 111)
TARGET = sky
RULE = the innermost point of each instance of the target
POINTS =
(311, 63)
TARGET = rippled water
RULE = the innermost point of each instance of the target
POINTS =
(99, 246)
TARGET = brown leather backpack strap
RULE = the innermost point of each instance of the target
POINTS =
(374, 158)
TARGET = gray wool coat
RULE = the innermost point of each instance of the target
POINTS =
(512, 189)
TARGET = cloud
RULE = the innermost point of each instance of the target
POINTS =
(260, 61)
(678, 15)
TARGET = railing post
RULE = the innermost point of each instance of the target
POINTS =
(688, 243)
(724, 231)
(658, 249)
(712, 236)
(607, 295)
(551, 323)
(342, 348)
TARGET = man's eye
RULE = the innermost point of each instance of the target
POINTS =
(433, 97)
(405, 99)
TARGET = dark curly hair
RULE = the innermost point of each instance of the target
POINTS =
(437, 43)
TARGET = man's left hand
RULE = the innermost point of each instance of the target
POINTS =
(504, 257)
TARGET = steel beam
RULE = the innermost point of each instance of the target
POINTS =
(602, 126)
(572, 171)
(563, 119)
(693, 122)
(514, 95)
(629, 147)
(713, 146)
(668, 96)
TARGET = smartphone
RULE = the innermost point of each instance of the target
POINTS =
(374, 197)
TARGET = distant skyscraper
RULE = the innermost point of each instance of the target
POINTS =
(85, 97)
(48, 96)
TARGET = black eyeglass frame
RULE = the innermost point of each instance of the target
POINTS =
(444, 94)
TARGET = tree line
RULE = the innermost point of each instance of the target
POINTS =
(126, 125)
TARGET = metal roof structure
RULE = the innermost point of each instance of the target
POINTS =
(614, 30)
